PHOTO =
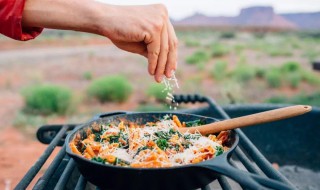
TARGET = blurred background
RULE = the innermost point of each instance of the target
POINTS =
(233, 51)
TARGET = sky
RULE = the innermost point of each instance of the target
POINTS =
(179, 9)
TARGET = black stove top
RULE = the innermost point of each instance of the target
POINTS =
(63, 173)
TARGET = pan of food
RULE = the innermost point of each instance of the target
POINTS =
(147, 151)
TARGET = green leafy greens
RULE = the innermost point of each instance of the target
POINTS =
(162, 144)
(99, 159)
(194, 123)
(219, 150)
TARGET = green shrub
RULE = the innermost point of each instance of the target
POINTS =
(192, 42)
(218, 50)
(310, 34)
(308, 99)
(295, 44)
(114, 88)
(279, 52)
(47, 99)
(277, 100)
(259, 35)
(293, 79)
(219, 70)
(261, 72)
(157, 91)
(311, 54)
(310, 77)
(290, 67)
(87, 75)
(23, 120)
(198, 57)
(244, 72)
(273, 77)
(227, 35)
(238, 48)
(148, 108)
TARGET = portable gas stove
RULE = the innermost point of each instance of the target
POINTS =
(62, 172)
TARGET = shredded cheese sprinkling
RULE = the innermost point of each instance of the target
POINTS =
(170, 85)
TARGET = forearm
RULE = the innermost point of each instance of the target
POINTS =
(79, 15)
(145, 30)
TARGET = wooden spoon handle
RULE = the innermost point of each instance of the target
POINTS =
(254, 119)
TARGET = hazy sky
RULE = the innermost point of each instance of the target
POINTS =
(182, 8)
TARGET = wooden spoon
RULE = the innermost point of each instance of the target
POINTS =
(254, 119)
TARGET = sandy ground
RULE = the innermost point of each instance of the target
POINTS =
(18, 155)
(59, 65)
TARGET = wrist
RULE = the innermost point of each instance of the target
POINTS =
(102, 18)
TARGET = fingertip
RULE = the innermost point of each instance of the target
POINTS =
(169, 73)
(151, 69)
(158, 78)
(170, 70)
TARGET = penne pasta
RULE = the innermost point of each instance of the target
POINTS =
(153, 145)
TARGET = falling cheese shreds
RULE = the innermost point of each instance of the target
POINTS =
(170, 85)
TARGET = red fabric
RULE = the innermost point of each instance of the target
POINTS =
(10, 21)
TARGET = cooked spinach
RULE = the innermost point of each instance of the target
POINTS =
(121, 162)
(83, 148)
(97, 133)
(194, 123)
(163, 135)
(185, 144)
(172, 131)
(114, 138)
(99, 159)
(219, 150)
(97, 137)
(176, 147)
(124, 137)
(141, 149)
(162, 144)
(195, 136)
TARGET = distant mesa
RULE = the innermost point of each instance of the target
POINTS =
(306, 21)
(262, 16)
(259, 16)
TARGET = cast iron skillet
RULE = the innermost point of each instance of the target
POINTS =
(190, 176)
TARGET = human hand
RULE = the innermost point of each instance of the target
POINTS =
(145, 30)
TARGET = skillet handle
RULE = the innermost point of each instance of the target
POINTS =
(46, 133)
(252, 181)
(102, 115)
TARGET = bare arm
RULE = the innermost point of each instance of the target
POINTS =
(145, 30)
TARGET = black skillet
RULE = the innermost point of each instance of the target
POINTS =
(190, 176)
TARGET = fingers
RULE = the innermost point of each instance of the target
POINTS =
(173, 53)
(163, 56)
(161, 42)
(153, 53)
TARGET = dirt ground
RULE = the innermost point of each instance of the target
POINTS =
(19, 153)
(61, 64)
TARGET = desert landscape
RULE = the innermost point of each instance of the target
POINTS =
(232, 67)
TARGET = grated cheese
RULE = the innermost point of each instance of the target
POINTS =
(168, 146)
(170, 85)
